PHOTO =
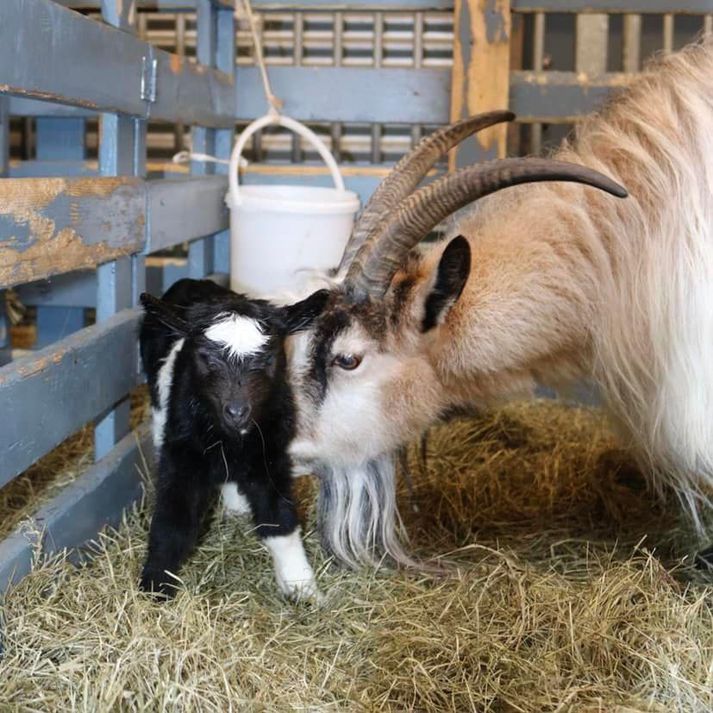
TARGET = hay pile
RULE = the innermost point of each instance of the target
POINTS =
(557, 603)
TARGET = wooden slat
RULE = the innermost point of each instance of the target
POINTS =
(49, 226)
(53, 225)
(408, 96)
(292, 5)
(54, 392)
(110, 68)
(559, 96)
(481, 63)
(683, 7)
(92, 502)
(183, 209)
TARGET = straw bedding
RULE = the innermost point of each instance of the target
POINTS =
(567, 589)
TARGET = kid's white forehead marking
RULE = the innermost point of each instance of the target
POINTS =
(240, 335)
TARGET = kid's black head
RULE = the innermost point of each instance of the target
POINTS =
(235, 351)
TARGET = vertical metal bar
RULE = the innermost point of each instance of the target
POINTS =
(297, 38)
(121, 152)
(338, 37)
(668, 26)
(592, 43)
(336, 130)
(179, 130)
(631, 51)
(538, 61)
(418, 40)
(376, 130)
(708, 23)
(378, 39)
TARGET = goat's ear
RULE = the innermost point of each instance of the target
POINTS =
(300, 315)
(164, 313)
(451, 275)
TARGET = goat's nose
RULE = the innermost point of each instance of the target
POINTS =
(237, 412)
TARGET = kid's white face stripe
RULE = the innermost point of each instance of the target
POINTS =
(240, 335)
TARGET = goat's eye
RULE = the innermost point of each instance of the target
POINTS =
(348, 362)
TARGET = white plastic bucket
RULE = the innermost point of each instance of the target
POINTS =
(279, 234)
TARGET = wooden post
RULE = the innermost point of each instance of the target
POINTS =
(122, 152)
(481, 74)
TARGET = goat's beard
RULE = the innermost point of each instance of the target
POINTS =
(358, 515)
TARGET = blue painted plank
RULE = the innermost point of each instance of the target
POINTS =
(109, 68)
(55, 391)
(307, 5)
(408, 96)
(74, 517)
(559, 96)
(56, 169)
(53, 225)
(59, 139)
(57, 322)
(71, 289)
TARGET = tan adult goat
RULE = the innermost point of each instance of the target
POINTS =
(551, 283)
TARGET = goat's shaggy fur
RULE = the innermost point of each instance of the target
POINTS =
(565, 283)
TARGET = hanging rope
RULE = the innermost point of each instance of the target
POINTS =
(275, 104)
(187, 156)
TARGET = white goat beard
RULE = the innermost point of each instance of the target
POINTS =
(358, 514)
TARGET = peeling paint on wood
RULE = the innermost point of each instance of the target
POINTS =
(54, 225)
(481, 69)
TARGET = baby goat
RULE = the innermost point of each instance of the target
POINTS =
(547, 283)
(223, 416)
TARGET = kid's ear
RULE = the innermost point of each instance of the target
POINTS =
(164, 313)
(451, 275)
(300, 315)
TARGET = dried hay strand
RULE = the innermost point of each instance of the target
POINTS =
(556, 603)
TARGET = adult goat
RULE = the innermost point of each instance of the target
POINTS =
(546, 283)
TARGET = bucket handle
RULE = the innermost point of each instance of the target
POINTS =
(300, 129)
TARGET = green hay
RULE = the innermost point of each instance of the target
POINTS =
(556, 603)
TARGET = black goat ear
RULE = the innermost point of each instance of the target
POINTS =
(300, 315)
(164, 313)
(451, 276)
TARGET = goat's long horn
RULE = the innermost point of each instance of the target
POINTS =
(410, 170)
(386, 248)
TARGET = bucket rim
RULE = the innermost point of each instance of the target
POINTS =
(341, 203)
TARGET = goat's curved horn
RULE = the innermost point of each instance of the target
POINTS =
(386, 248)
(410, 170)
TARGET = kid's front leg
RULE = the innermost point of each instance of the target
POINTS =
(181, 502)
(278, 527)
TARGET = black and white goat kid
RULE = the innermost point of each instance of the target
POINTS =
(223, 417)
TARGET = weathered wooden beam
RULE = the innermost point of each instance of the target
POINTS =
(480, 78)
(560, 96)
(408, 96)
(183, 209)
(291, 5)
(144, 81)
(94, 501)
(682, 7)
(54, 225)
(53, 393)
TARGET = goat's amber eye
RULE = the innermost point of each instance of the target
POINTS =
(348, 362)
